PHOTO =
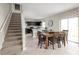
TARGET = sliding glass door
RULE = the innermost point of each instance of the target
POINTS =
(71, 25)
(73, 29)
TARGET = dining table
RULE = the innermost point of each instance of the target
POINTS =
(50, 34)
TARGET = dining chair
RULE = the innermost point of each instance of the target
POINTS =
(41, 39)
(55, 39)
(62, 37)
(66, 33)
(51, 41)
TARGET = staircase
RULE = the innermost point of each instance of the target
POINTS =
(13, 39)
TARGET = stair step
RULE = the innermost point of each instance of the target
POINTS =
(14, 30)
(14, 25)
(12, 50)
(14, 34)
(15, 18)
(13, 37)
(9, 40)
(12, 43)
(17, 34)
(15, 15)
(15, 22)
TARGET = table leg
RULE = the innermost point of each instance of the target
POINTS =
(65, 41)
(46, 43)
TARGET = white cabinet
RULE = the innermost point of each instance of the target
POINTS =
(35, 32)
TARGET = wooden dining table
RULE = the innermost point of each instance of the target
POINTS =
(47, 34)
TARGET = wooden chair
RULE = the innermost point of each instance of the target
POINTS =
(41, 39)
(55, 39)
(66, 33)
(62, 37)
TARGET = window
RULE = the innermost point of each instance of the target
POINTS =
(64, 24)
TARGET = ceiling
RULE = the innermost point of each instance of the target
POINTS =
(41, 10)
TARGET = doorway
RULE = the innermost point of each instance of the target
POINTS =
(17, 6)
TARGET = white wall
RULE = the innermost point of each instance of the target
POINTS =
(4, 10)
(55, 26)
(56, 18)
(5, 14)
